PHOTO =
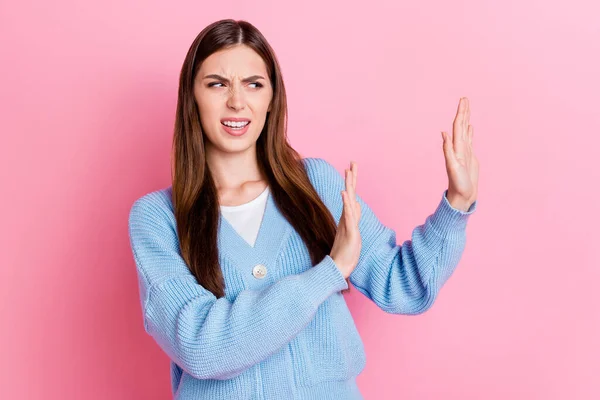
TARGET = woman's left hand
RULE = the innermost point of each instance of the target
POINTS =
(461, 164)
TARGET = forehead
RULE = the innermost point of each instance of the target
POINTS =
(235, 61)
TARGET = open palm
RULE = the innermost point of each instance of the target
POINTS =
(462, 166)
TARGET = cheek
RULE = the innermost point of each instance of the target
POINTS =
(261, 104)
(209, 114)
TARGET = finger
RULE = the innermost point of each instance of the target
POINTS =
(348, 217)
(470, 135)
(465, 123)
(351, 194)
(457, 128)
(459, 135)
(354, 168)
(344, 216)
(347, 179)
(357, 209)
(447, 147)
(467, 116)
(351, 176)
(350, 187)
(354, 197)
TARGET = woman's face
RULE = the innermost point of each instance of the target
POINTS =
(233, 84)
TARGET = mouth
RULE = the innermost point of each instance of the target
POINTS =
(235, 126)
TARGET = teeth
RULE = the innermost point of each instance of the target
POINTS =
(236, 124)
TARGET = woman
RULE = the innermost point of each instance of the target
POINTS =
(242, 261)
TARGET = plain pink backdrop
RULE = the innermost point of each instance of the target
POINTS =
(88, 95)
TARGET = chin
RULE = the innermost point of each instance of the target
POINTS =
(237, 146)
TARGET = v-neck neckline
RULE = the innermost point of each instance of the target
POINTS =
(235, 234)
(272, 232)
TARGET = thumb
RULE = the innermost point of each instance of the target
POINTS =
(447, 147)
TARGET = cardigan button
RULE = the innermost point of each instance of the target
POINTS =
(259, 271)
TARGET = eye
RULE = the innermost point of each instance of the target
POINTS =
(214, 83)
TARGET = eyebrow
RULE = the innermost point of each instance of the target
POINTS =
(219, 77)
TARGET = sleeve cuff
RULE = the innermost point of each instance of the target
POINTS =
(449, 220)
(324, 279)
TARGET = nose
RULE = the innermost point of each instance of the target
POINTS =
(236, 99)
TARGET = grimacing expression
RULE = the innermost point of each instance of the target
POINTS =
(232, 83)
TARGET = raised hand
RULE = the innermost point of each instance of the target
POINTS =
(461, 164)
(347, 244)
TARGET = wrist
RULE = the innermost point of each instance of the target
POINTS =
(340, 268)
(458, 202)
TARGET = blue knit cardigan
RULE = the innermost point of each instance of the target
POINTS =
(290, 334)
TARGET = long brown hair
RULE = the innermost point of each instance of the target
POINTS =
(195, 198)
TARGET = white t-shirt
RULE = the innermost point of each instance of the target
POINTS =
(246, 218)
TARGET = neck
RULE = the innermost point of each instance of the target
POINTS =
(231, 170)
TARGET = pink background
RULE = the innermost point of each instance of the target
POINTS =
(88, 94)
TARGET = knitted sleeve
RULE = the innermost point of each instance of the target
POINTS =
(406, 278)
(214, 338)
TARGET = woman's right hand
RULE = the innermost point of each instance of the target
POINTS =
(347, 244)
